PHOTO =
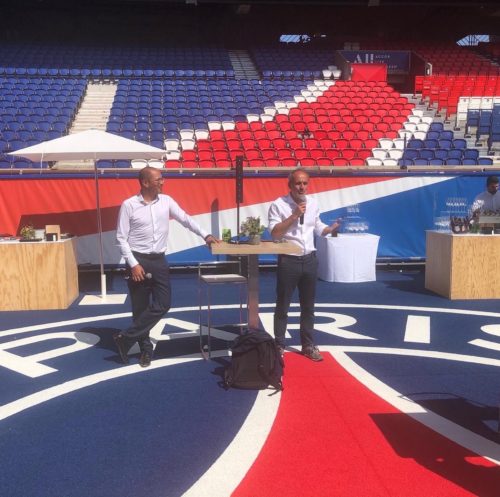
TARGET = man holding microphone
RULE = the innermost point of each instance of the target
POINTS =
(295, 218)
(142, 234)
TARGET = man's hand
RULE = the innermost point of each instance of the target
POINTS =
(299, 210)
(211, 239)
(335, 225)
(333, 228)
(137, 273)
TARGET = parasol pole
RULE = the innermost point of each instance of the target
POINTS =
(99, 230)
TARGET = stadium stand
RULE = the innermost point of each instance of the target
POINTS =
(189, 101)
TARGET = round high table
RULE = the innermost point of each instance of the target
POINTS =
(347, 258)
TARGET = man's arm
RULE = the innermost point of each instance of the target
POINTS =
(122, 232)
(333, 228)
(280, 228)
(188, 222)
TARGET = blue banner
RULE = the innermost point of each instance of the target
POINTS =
(396, 61)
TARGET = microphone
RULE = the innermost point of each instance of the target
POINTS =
(302, 199)
(147, 276)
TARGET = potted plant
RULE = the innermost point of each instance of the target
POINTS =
(27, 232)
(252, 228)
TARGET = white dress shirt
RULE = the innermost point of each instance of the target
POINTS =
(301, 235)
(143, 227)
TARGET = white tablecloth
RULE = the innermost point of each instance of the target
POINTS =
(347, 258)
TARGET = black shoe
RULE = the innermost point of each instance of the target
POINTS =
(145, 359)
(312, 352)
(121, 346)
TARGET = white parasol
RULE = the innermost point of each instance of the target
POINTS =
(93, 145)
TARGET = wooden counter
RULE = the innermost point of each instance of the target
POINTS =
(38, 275)
(463, 266)
(259, 249)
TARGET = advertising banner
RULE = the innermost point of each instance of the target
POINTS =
(396, 61)
(398, 209)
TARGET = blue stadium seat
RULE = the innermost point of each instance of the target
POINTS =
(446, 135)
(471, 153)
(455, 153)
(485, 161)
(426, 153)
(445, 144)
(122, 163)
(436, 127)
(410, 153)
(430, 143)
(405, 162)
(459, 143)
(101, 164)
(22, 163)
(441, 153)
(436, 162)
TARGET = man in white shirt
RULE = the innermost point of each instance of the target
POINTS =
(142, 233)
(295, 218)
(489, 200)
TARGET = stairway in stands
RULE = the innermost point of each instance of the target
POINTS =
(243, 66)
(93, 114)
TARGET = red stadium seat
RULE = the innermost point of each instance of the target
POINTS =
(308, 162)
(301, 153)
(324, 161)
(252, 153)
(340, 161)
(289, 162)
(207, 164)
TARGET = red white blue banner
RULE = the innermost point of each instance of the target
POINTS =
(398, 208)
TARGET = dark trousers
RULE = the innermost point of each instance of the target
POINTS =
(296, 272)
(150, 299)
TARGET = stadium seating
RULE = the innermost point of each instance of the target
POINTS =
(189, 102)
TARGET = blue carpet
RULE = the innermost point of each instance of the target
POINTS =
(154, 432)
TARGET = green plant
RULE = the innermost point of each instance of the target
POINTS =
(251, 226)
(28, 232)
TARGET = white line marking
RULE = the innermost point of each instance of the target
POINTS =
(60, 324)
(94, 319)
(418, 329)
(29, 365)
(491, 329)
(42, 396)
(227, 472)
(476, 443)
(485, 344)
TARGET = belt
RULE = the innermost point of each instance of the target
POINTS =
(306, 257)
(152, 256)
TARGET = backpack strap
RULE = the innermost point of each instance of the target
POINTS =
(262, 370)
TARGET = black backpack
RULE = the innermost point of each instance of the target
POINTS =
(256, 362)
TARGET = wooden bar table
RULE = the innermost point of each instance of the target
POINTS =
(253, 252)
(38, 275)
(463, 266)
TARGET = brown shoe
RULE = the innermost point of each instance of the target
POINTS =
(122, 347)
(145, 359)
(312, 353)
